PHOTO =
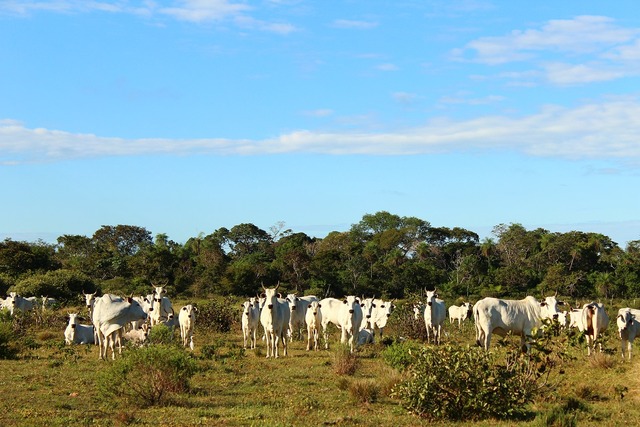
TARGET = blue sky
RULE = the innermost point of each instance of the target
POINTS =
(190, 115)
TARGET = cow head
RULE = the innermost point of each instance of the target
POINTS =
(624, 320)
(351, 301)
(270, 296)
(89, 299)
(313, 307)
(549, 308)
(292, 299)
(367, 306)
(431, 297)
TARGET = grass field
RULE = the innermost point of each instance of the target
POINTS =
(50, 384)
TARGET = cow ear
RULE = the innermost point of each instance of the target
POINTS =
(130, 300)
(344, 302)
(184, 308)
(279, 295)
(361, 305)
(288, 299)
(297, 299)
(561, 303)
(373, 305)
(319, 305)
(263, 295)
(80, 319)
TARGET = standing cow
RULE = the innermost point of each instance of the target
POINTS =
(187, 320)
(345, 314)
(313, 319)
(161, 307)
(274, 318)
(110, 314)
(297, 312)
(380, 315)
(493, 315)
(17, 302)
(250, 321)
(460, 313)
(435, 312)
(594, 321)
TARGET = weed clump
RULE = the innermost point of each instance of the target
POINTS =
(364, 391)
(344, 362)
(147, 376)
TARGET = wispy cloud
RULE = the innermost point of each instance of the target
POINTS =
(351, 24)
(600, 49)
(608, 129)
(387, 67)
(194, 11)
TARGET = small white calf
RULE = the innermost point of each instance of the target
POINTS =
(365, 336)
(628, 329)
(313, 319)
(187, 320)
(595, 321)
(138, 336)
(250, 320)
(76, 333)
(459, 313)
(380, 315)
(435, 313)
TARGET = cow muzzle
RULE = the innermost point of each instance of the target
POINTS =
(270, 306)
(368, 316)
(293, 308)
(429, 303)
(73, 326)
(351, 311)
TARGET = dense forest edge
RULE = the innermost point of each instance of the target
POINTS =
(385, 255)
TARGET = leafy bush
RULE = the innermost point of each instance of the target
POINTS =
(147, 376)
(8, 345)
(60, 284)
(401, 355)
(403, 322)
(219, 315)
(463, 383)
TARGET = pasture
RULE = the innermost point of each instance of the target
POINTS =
(55, 385)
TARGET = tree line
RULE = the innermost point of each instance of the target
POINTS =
(383, 255)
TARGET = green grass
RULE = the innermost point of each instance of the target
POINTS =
(54, 385)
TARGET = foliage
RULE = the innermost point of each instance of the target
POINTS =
(401, 355)
(219, 314)
(9, 347)
(405, 324)
(468, 383)
(161, 334)
(147, 376)
(364, 391)
(60, 284)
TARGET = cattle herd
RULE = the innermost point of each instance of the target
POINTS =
(284, 318)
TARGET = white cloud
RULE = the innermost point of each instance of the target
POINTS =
(598, 130)
(351, 24)
(203, 10)
(387, 67)
(600, 50)
(322, 112)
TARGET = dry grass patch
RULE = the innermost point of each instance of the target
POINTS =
(344, 362)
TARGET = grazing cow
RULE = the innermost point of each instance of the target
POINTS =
(380, 315)
(297, 312)
(187, 320)
(89, 299)
(313, 319)
(628, 329)
(435, 312)
(17, 302)
(274, 318)
(493, 315)
(250, 321)
(161, 307)
(460, 313)
(594, 321)
(76, 333)
(138, 336)
(110, 314)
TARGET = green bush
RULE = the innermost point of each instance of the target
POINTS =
(8, 344)
(161, 334)
(61, 284)
(401, 355)
(467, 383)
(219, 314)
(147, 376)
(405, 325)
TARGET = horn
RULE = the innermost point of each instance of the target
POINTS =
(263, 286)
(278, 285)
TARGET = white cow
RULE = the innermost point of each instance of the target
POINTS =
(345, 314)
(313, 319)
(161, 306)
(187, 320)
(435, 312)
(380, 315)
(110, 314)
(459, 313)
(145, 303)
(17, 302)
(250, 321)
(493, 315)
(367, 305)
(594, 321)
(297, 312)
(138, 336)
(48, 302)
(418, 311)
(628, 329)
(89, 299)
(76, 333)
(274, 318)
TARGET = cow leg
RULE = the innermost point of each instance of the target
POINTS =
(285, 346)
(309, 331)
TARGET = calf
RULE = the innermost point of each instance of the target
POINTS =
(459, 313)
(313, 319)
(297, 312)
(187, 320)
(250, 321)
(138, 336)
(75, 333)
(628, 329)
(365, 336)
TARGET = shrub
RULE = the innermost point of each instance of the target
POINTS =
(219, 315)
(8, 345)
(161, 334)
(459, 383)
(401, 355)
(61, 284)
(147, 376)
(405, 325)
(344, 362)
